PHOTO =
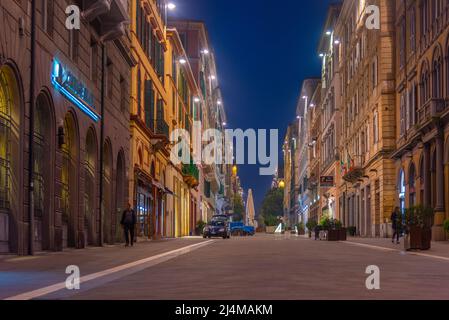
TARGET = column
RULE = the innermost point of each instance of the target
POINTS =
(426, 175)
(439, 207)
(437, 230)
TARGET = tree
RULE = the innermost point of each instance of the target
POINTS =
(239, 208)
(273, 205)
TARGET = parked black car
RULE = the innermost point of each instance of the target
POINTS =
(217, 228)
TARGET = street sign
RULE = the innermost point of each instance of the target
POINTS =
(327, 181)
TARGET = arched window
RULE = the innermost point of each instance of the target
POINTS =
(401, 189)
(437, 75)
(411, 186)
(5, 132)
(424, 84)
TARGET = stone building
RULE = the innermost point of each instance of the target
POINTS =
(421, 173)
(308, 87)
(329, 137)
(69, 91)
(367, 70)
(291, 187)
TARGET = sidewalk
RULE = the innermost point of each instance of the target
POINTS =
(440, 249)
(25, 273)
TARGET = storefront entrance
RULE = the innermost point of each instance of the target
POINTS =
(143, 211)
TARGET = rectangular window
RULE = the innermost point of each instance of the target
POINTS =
(47, 16)
(402, 39)
(412, 30)
(376, 127)
(402, 115)
(123, 94)
(139, 94)
(110, 78)
(374, 73)
(94, 61)
(149, 104)
(74, 44)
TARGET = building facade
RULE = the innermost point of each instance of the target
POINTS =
(422, 91)
(366, 65)
(330, 133)
(64, 109)
(308, 88)
(215, 177)
(291, 175)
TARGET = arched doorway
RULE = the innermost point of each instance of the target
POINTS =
(402, 190)
(90, 173)
(107, 193)
(412, 186)
(10, 165)
(69, 182)
(120, 194)
(43, 172)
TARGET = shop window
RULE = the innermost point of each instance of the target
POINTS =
(5, 132)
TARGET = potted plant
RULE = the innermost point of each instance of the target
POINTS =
(352, 231)
(446, 227)
(199, 227)
(334, 229)
(310, 225)
(301, 228)
(418, 226)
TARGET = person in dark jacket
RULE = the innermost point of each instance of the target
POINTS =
(396, 220)
(128, 222)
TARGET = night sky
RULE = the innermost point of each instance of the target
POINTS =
(264, 49)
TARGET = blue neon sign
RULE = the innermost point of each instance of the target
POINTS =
(73, 89)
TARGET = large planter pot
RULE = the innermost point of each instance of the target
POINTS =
(336, 235)
(270, 229)
(420, 238)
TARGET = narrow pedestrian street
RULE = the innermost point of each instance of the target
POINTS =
(264, 267)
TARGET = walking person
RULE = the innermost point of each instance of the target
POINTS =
(396, 220)
(128, 222)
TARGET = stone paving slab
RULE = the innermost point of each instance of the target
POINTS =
(20, 274)
(269, 267)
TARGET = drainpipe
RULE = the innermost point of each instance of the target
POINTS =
(31, 136)
(103, 89)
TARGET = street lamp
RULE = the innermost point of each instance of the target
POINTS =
(205, 51)
(182, 61)
(171, 6)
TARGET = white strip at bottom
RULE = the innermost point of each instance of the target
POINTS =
(396, 250)
(61, 286)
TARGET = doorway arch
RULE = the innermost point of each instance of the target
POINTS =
(120, 193)
(69, 180)
(107, 192)
(90, 183)
(43, 171)
(10, 159)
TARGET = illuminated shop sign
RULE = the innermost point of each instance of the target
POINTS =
(73, 89)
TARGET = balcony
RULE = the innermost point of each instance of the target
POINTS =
(191, 174)
(109, 17)
(162, 129)
(430, 110)
(354, 174)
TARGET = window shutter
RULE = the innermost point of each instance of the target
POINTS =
(149, 104)
(50, 17)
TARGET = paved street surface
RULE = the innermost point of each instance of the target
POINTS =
(264, 267)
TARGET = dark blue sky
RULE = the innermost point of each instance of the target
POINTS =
(264, 49)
